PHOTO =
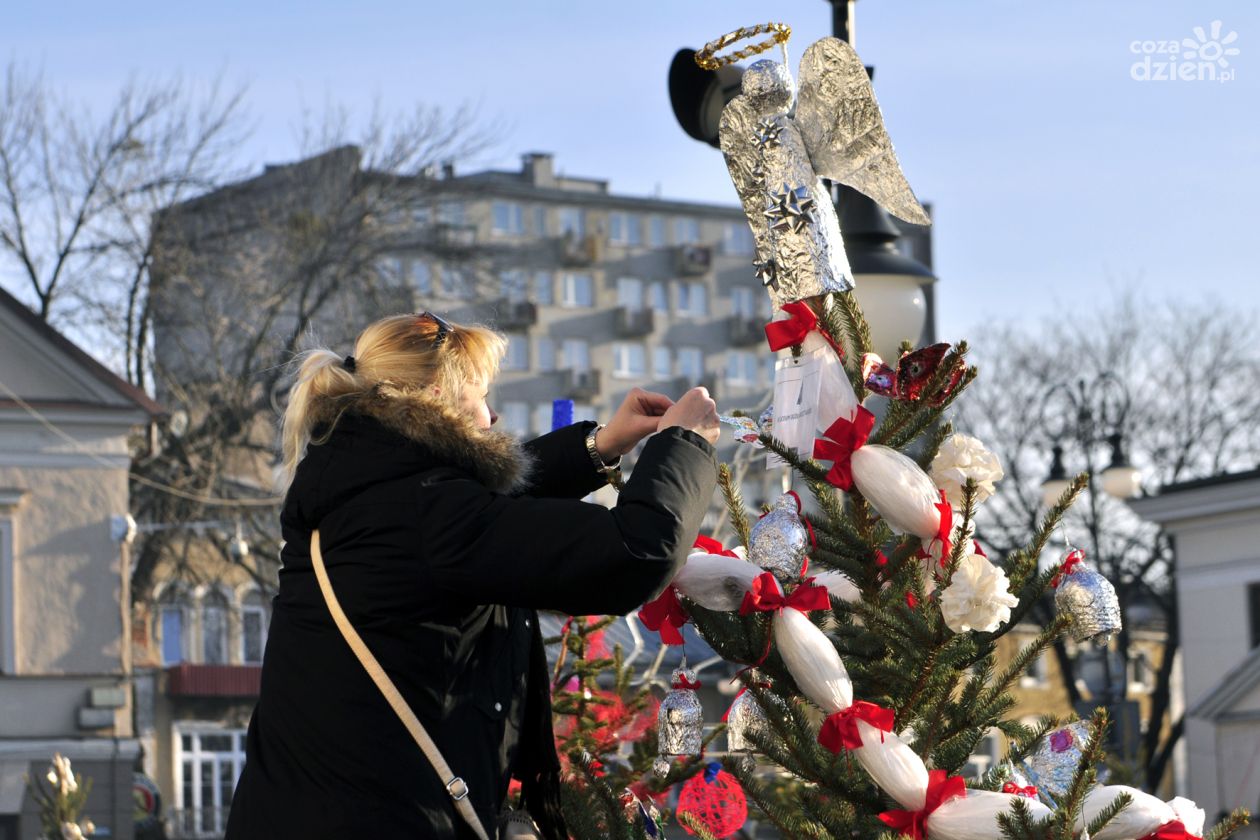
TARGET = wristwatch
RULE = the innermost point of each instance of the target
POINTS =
(610, 471)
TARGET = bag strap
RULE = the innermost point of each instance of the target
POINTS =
(455, 786)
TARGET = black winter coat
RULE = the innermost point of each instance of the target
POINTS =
(440, 541)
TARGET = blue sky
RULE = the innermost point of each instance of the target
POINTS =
(1055, 175)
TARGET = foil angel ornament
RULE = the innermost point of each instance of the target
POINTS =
(780, 140)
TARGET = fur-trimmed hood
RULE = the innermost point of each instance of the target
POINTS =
(495, 459)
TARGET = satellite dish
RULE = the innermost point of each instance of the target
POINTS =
(698, 96)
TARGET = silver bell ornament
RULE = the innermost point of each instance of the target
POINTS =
(744, 717)
(1088, 600)
(1053, 764)
(779, 540)
(680, 722)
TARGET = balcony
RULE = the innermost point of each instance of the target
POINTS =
(581, 385)
(449, 237)
(633, 323)
(742, 331)
(516, 314)
(189, 680)
(694, 260)
(580, 250)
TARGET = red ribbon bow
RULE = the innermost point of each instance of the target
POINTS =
(846, 437)
(840, 730)
(711, 546)
(683, 682)
(1074, 559)
(765, 596)
(1030, 791)
(665, 615)
(940, 790)
(1174, 830)
(792, 331)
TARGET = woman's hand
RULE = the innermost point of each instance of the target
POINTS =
(638, 417)
(695, 411)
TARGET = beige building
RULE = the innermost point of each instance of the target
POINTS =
(65, 661)
(1215, 525)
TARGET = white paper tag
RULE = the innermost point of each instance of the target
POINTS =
(797, 386)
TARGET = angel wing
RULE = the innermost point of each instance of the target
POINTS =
(736, 130)
(843, 129)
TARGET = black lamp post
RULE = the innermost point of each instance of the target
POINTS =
(1085, 415)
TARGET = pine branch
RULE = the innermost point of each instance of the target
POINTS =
(695, 825)
(843, 317)
(1236, 820)
(1069, 809)
(1109, 813)
(734, 505)
(811, 469)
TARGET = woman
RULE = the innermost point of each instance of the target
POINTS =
(441, 539)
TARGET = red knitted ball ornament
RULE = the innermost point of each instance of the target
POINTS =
(719, 805)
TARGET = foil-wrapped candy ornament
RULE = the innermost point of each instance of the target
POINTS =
(680, 721)
(660, 766)
(1088, 600)
(779, 540)
(779, 143)
(746, 716)
(1053, 764)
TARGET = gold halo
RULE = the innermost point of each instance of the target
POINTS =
(707, 59)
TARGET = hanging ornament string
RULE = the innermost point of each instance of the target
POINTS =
(1075, 558)
(708, 59)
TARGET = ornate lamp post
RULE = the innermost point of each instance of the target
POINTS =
(1085, 415)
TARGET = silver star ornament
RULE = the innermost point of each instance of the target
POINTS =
(791, 208)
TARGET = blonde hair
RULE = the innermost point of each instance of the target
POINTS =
(401, 351)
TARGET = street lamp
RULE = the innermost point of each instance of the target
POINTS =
(1089, 413)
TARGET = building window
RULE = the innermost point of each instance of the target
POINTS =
(171, 633)
(507, 218)
(1034, 675)
(575, 355)
(421, 215)
(658, 298)
(741, 368)
(743, 302)
(544, 289)
(584, 413)
(1141, 674)
(542, 418)
(572, 222)
(737, 239)
(545, 353)
(629, 360)
(517, 356)
(214, 628)
(253, 628)
(986, 755)
(578, 291)
(691, 364)
(624, 229)
(450, 213)
(515, 418)
(8, 626)
(454, 283)
(630, 293)
(693, 300)
(656, 231)
(1253, 608)
(686, 231)
(421, 277)
(513, 287)
(661, 363)
(540, 221)
(208, 763)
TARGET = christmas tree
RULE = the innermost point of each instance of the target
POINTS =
(865, 615)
